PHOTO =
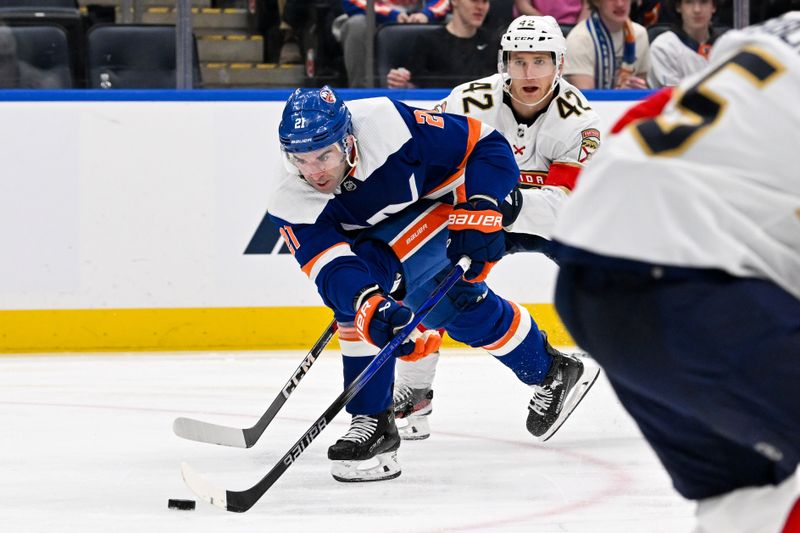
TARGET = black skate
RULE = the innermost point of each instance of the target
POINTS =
(559, 394)
(413, 406)
(368, 451)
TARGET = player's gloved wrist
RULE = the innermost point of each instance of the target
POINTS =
(511, 207)
(379, 318)
(476, 231)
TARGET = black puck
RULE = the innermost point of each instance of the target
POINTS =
(181, 505)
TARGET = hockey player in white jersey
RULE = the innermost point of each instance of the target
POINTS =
(552, 131)
(683, 240)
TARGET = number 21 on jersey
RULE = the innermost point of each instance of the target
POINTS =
(289, 238)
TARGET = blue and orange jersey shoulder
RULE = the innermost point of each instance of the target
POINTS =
(404, 154)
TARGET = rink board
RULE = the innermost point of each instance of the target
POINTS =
(135, 221)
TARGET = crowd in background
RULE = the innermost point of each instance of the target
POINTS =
(612, 44)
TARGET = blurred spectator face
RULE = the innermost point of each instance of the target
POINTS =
(471, 12)
(531, 75)
(695, 14)
(613, 11)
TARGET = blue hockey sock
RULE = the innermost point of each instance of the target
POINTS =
(521, 347)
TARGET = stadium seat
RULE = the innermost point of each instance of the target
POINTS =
(134, 56)
(393, 46)
(43, 54)
(65, 13)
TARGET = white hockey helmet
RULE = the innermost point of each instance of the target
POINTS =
(532, 34)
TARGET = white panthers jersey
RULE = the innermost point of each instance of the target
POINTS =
(712, 182)
(550, 152)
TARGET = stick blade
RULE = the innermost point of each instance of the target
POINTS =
(203, 489)
(199, 431)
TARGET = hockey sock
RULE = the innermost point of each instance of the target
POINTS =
(521, 347)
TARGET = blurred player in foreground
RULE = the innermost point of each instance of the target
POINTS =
(377, 202)
(552, 131)
(680, 274)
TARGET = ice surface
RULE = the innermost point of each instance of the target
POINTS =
(87, 447)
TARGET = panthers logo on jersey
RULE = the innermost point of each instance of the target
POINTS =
(590, 141)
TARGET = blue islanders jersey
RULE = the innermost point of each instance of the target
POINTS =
(406, 157)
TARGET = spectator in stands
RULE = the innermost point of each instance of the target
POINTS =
(684, 49)
(648, 13)
(456, 53)
(18, 74)
(608, 50)
(564, 11)
(354, 28)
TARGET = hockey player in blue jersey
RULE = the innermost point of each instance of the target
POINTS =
(376, 201)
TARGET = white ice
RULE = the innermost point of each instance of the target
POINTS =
(87, 446)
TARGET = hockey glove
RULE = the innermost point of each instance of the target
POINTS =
(380, 318)
(511, 206)
(476, 231)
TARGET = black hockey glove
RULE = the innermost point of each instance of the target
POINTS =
(511, 206)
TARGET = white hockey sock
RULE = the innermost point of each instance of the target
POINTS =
(418, 374)
(749, 510)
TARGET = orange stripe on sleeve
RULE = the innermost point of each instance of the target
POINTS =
(473, 136)
(472, 139)
(308, 267)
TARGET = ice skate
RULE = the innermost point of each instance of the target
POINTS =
(413, 406)
(368, 451)
(559, 394)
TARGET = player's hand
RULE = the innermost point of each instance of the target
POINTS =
(634, 82)
(418, 18)
(476, 230)
(510, 207)
(403, 18)
(399, 78)
(380, 318)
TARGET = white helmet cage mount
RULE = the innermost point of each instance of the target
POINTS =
(532, 34)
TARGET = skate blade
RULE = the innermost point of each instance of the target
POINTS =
(413, 427)
(381, 467)
(578, 393)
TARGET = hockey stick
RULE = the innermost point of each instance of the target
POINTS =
(200, 431)
(241, 501)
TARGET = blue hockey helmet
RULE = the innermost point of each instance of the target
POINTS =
(313, 119)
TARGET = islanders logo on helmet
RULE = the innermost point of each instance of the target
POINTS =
(327, 95)
(313, 119)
